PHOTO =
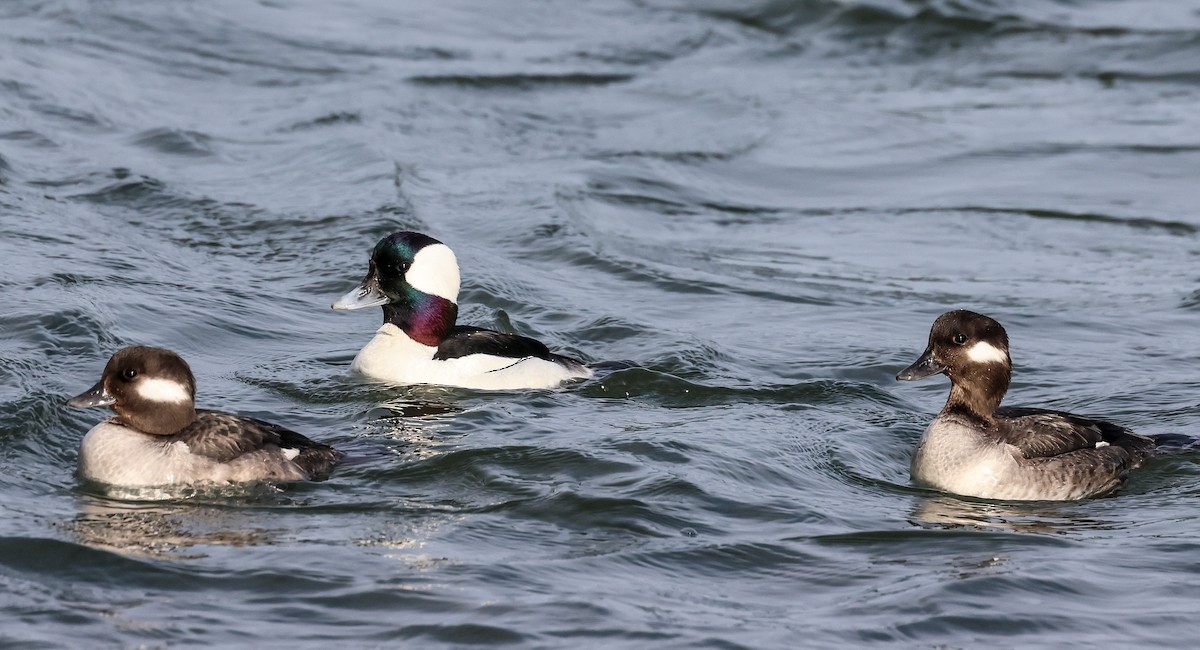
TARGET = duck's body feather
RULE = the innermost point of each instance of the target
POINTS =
(1043, 433)
(469, 360)
(216, 448)
(1028, 454)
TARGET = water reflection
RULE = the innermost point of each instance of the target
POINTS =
(162, 529)
(416, 407)
(1034, 517)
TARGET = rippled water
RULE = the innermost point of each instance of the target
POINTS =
(747, 213)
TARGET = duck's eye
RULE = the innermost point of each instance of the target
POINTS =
(129, 373)
(960, 338)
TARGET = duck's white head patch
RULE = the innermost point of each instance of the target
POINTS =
(434, 271)
(984, 352)
(163, 390)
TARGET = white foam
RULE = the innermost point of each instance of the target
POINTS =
(163, 390)
(435, 271)
(984, 352)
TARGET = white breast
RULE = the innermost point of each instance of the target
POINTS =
(394, 358)
(115, 454)
(957, 459)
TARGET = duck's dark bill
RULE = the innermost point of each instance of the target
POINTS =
(364, 295)
(95, 396)
(922, 368)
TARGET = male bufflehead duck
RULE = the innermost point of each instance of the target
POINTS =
(159, 438)
(976, 448)
(414, 277)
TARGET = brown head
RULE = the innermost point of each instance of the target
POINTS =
(150, 389)
(972, 350)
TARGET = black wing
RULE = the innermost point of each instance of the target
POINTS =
(1042, 433)
(225, 436)
(465, 340)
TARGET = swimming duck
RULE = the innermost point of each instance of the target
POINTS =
(975, 447)
(415, 278)
(159, 438)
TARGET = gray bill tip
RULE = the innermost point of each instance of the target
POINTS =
(923, 367)
(361, 297)
(92, 397)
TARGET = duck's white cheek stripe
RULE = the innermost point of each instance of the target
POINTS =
(435, 271)
(163, 390)
(984, 352)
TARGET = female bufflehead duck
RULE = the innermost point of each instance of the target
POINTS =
(975, 448)
(159, 438)
(414, 277)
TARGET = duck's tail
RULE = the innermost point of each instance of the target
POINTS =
(1174, 442)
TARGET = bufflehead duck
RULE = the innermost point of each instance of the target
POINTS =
(976, 448)
(159, 438)
(414, 277)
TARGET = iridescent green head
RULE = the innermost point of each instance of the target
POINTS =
(414, 277)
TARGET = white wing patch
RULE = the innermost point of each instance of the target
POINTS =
(290, 454)
(163, 390)
(435, 271)
(984, 352)
(1101, 444)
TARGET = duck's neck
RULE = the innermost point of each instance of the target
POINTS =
(425, 318)
(977, 397)
(162, 420)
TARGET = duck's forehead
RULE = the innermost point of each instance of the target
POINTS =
(143, 356)
(404, 244)
(946, 327)
(392, 248)
(965, 322)
(125, 358)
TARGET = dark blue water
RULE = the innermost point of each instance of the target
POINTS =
(761, 206)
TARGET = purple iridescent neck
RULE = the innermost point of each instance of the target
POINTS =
(424, 317)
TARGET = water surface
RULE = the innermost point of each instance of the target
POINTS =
(747, 213)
